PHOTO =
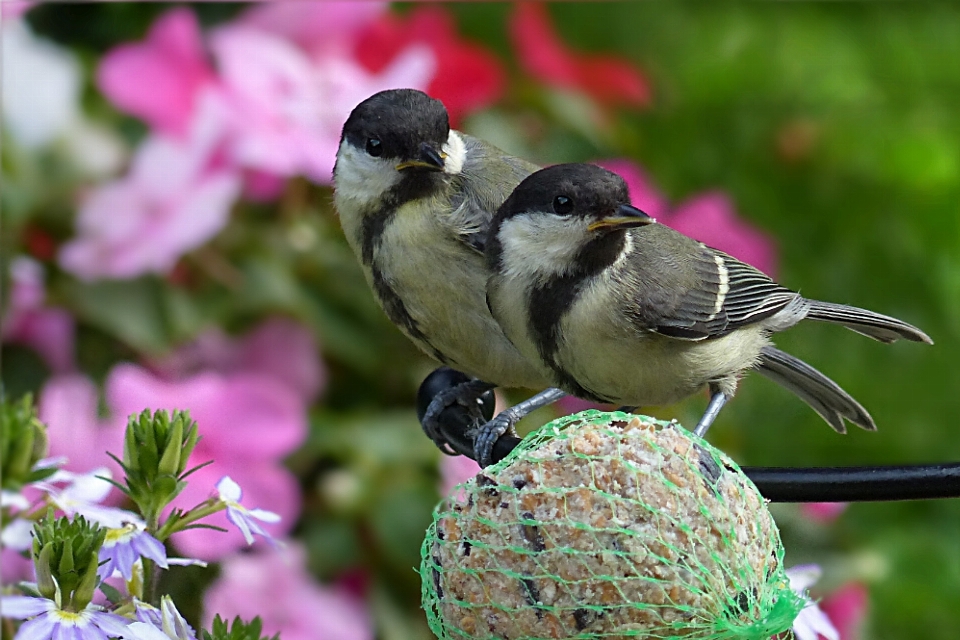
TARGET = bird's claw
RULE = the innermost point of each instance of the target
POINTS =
(488, 434)
(466, 394)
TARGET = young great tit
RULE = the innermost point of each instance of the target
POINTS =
(415, 200)
(619, 309)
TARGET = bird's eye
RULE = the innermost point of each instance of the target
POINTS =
(374, 147)
(562, 205)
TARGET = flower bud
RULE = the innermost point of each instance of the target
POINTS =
(156, 450)
(66, 555)
(23, 443)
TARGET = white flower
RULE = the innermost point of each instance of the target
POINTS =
(41, 86)
(82, 496)
(243, 518)
(811, 622)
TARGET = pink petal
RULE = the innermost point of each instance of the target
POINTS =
(158, 79)
(287, 351)
(823, 512)
(712, 219)
(643, 194)
(312, 24)
(847, 609)
(245, 416)
(68, 406)
(455, 470)
(276, 585)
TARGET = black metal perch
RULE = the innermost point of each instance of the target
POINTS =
(777, 484)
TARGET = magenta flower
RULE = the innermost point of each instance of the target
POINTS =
(709, 217)
(47, 330)
(275, 584)
(455, 470)
(243, 518)
(68, 406)
(847, 608)
(823, 512)
(293, 105)
(159, 79)
(248, 423)
(278, 347)
(712, 219)
(175, 198)
(123, 547)
(46, 621)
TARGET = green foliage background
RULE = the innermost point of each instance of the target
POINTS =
(833, 126)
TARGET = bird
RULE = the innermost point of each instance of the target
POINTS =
(415, 199)
(617, 308)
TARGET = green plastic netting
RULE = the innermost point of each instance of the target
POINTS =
(607, 525)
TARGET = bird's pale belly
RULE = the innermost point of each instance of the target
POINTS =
(629, 367)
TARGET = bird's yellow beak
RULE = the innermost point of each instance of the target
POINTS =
(430, 160)
(626, 217)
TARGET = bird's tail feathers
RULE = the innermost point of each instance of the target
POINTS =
(823, 395)
(873, 325)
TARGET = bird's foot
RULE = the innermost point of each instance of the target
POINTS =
(466, 395)
(488, 434)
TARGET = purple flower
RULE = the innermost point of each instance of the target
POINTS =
(165, 623)
(124, 546)
(243, 518)
(811, 622)
(47, 620)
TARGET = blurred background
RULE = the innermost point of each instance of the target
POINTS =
(169, 241)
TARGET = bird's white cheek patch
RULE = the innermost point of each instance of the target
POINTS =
(456, 152)
(540, 246)
(362, 177)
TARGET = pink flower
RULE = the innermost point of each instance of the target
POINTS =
(455, 470)
(468, 77)
(12, 9)
(712, 219)
(292, 102)
(175, 198)
(823, 512)
(47, 330)
(607, 79)
(159, 79)
(317, 27)
(708, 217)
(68, 406)
(279, 347)
(643, 193)
(275, 585)
(847, 609)
(247, 422)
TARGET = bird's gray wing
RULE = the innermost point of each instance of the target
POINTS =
(685, 289)
(488, 176)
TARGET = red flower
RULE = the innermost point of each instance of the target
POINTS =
(607, 79)
(847, 608)
(468, 76)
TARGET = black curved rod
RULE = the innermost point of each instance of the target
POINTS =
(857, 484)
(805, 484)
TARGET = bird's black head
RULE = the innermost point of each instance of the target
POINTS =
(579, 190)
(567, 215)
(405, 126)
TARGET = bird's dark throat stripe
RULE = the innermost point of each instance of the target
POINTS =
(552, 300)
(374, 223)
